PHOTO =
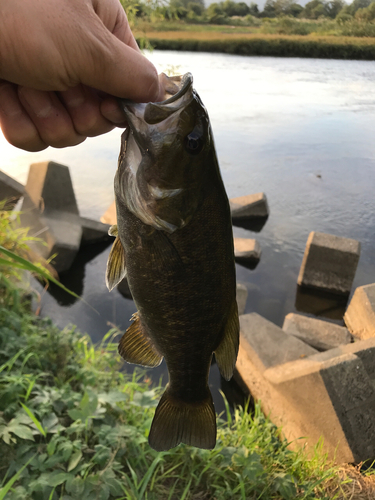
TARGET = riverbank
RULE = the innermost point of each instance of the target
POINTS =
(256, 44)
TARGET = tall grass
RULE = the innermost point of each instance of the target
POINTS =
(279, 46)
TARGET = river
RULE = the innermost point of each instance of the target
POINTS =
(300, 130)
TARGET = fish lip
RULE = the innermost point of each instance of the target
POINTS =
(136, 112)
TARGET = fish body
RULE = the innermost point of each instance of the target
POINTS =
(175, 245)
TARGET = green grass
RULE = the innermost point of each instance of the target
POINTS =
(79, 425)
(280, 37)
(74, 426)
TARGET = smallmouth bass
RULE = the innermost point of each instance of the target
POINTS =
(174, 243)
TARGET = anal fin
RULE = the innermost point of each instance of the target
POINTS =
(136, 347)
(227, 350)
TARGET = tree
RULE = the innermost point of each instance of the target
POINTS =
(314, 9)
(294, 9)
(366, 13)
(231, 8)
(355, 5)
(269, 9)
(334, 7)
(253, 9)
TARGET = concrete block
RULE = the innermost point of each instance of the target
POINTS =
(246, 250)
(321, 335)
(50, 187)
(329, 263)
(50, 210)
(360, 315)
(241, 297)
(268, 345)
(329, 394)
(252, 205)
(10, 189)
(110, 217)
(60, 233)
(94, 231)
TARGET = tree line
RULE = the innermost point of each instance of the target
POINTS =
(228, 11)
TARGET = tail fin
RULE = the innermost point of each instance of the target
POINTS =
(178, 422)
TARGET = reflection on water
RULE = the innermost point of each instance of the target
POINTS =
(299, 130)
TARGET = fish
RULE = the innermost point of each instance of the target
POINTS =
(174, 244)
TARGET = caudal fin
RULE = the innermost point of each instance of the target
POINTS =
(178, 422)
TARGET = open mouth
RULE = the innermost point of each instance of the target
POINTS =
(178, 92)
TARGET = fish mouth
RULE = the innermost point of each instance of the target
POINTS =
(178, 92)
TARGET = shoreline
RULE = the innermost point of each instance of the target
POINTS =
(322, 47)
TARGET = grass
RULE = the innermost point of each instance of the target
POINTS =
(283, 38)
(74, 426)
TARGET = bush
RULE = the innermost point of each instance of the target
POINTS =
(289, 26)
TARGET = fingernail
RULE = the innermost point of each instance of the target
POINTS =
(39, 101)
(9, 103)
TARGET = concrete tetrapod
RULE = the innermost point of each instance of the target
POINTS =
(360, 315)
(50, 210)
(329, 263)
(329, 394)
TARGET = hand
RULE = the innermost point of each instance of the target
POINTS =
(61, 64)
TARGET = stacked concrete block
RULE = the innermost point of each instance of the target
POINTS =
(94, 231)
(110, 217)
(269, 345)
(329, 394)
(241, 296)
(10, 189)
(321, 335)
(50, 211)
(246, 250)
(250, 206)
(329, 263)
(360, 315)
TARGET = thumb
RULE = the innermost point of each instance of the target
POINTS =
(121, 70)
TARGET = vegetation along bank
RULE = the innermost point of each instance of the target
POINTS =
(323, 29)
(74, 426)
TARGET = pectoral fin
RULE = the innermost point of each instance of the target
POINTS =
(116, 268)
(227, 350)
(162, 253)
(137, 348)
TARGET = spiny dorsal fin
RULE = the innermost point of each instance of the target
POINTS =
(116, 270)
(176, 422)
(136, 347)
(227, 350)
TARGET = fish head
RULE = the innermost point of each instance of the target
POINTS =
(165, 156)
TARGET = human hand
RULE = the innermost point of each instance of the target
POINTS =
(61, 64)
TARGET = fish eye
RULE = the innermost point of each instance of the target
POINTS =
(194, 143)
